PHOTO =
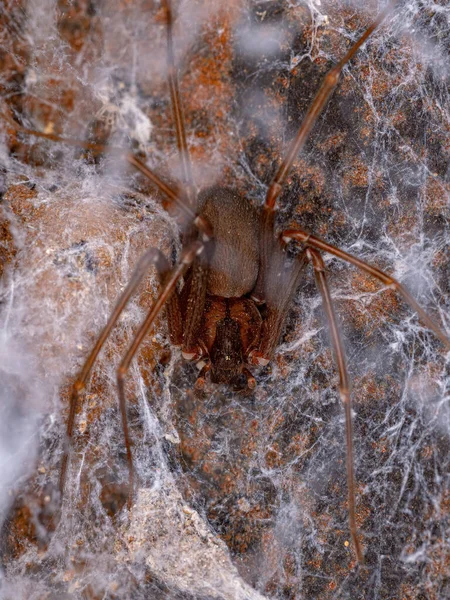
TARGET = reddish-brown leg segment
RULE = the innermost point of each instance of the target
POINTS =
(175, 195)
(185, 199)
(318, 104)
(187, 258)
(171, 193)
(344, 389)
(315, 242)
(281, 285)
(152, 257)
(274, 190)
(177, 110)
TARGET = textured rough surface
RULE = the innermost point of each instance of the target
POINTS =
(201, 566)
(263, 473)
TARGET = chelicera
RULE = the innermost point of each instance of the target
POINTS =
(237, 284)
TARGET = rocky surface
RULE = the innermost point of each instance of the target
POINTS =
(256, 480)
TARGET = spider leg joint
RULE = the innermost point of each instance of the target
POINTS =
(194, 250)
(256, 358)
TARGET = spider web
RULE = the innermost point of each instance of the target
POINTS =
(241, 495)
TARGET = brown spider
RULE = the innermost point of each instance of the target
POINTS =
(238, 287)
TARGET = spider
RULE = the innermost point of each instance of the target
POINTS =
(244, 316)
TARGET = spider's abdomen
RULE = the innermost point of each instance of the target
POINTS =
(234, 266)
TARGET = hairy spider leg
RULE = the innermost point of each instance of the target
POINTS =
(310, 240)
(175, 195)
(153, 257)
(188, 256)
(185, 199)
(344, 389)
(326, 89)
(177, 111)
(313, 245)
(169, 278)
(263, 285)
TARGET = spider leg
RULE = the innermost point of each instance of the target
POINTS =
(315, 109)
(188, 256)
(281, 283)
(194, 300)
(344, 389)
(315, 242)
(177, 110)
(184, 197)
(173, 312)
(176, 195)
(318, 104)
(153, 256)
(200, 383)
